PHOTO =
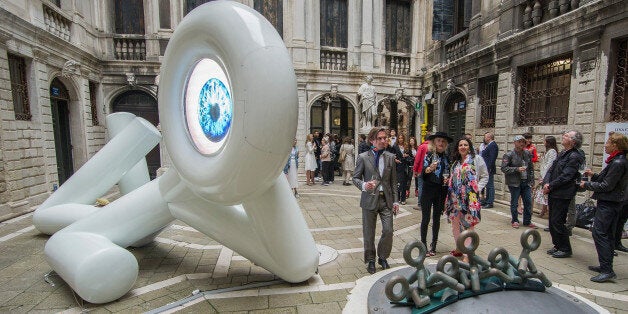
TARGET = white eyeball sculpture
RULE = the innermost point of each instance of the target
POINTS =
(228, 112)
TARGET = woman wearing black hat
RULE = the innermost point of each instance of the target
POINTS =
(435, 168)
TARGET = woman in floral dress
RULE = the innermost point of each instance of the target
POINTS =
(469, 176)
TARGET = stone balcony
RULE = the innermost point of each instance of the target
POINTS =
(397, 64)
(333, 58)
(457, 46)
(129, 47)
(56, 23)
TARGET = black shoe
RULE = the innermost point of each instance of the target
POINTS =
(622, 248)
(383, 262)
(604, 277)
(371, 267)
(552, 251)
(546, 229)
(615, 253)
(487, 206)
(596, 269)
(561, 254)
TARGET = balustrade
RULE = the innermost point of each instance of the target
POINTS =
(126, 48)
(457, 46)
(397, 65)
(333, 60)
(56, 23)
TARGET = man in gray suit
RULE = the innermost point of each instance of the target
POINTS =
(376, 176)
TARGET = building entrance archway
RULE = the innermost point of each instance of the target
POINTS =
(398, 114)
(333, 115)
(142, 105)
(455, 115)
(60, 112)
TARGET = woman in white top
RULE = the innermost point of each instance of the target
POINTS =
(310, 159)
(348, 164)
(551, 151)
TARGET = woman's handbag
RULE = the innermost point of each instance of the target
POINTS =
(343, 155)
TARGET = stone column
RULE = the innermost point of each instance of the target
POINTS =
(298, 33)
(366, 45)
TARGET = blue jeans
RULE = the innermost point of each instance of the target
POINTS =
(490, 190)
(419, 185)
(525, 192)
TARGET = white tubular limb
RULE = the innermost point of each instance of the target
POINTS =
(269, 230)
(98, 270)
(102, 171)
(290, 244)
(89, 254)
(138, 175)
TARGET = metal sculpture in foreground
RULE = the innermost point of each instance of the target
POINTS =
(430, 291)
(226, 79)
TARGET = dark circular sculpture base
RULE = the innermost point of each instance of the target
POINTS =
(553, 300)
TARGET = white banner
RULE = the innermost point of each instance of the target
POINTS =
(619, 127)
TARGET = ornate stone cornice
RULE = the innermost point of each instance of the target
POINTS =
(40, 55)
(4, 37)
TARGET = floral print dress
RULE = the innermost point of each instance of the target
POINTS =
(462, 194)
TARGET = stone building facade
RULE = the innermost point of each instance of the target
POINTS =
(69, 63)
(542, 67)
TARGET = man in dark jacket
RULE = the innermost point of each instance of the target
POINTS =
(608, 189)
(519, 176)
(489, 154)
(560, 183)
(364, 145)
(317, 153)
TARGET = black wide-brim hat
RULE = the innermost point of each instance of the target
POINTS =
(442, 135)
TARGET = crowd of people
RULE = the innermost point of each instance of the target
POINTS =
(458, 182)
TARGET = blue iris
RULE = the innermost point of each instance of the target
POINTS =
(215, 110)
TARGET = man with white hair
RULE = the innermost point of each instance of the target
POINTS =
(560, 183)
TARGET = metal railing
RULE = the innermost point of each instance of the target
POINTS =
(619, 108)
(545, 90)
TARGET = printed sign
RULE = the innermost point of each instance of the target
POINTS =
(619, 127)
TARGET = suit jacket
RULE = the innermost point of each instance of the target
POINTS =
(490, 155)
(365, 169)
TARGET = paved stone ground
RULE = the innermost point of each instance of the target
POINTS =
(183, 260)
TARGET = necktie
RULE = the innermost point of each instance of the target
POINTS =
(377, 154)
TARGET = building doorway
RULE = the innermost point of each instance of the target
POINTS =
(333, 115)
(397, 114)
(142, 105)
(59, 100)
(455, 115)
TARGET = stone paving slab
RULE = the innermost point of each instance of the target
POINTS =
(182, 260)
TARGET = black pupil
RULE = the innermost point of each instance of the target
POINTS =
(214, 112)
